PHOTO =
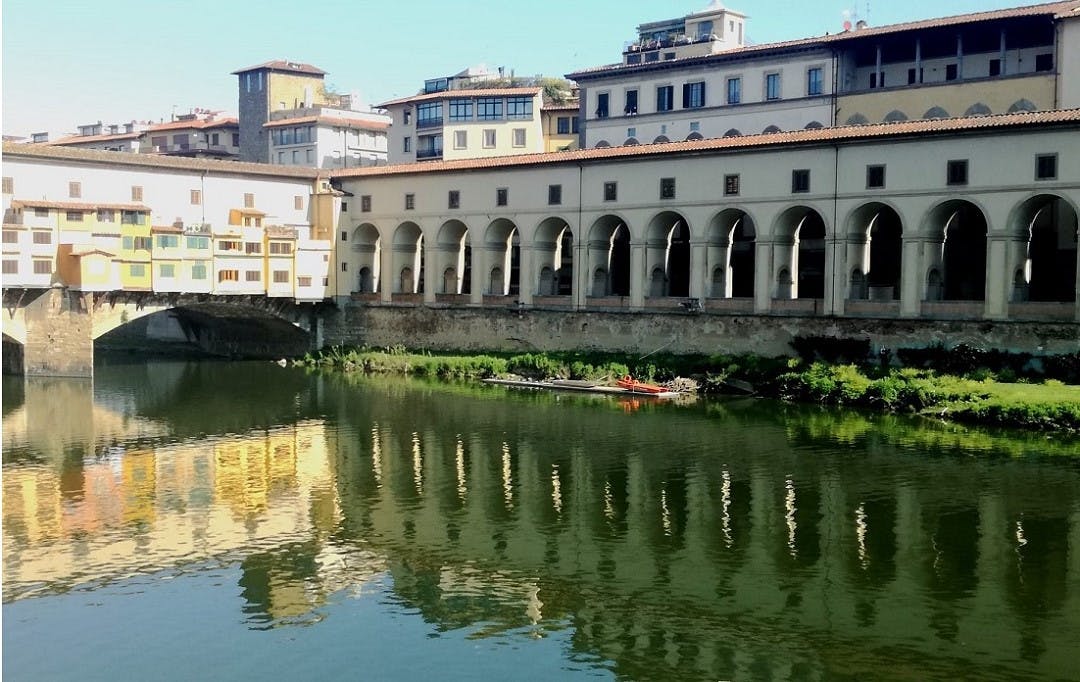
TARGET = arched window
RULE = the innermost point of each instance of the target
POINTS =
(936, 112)
(895, 116)
(857, 120)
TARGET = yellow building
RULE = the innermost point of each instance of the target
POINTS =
(560, 125)
(136, 244)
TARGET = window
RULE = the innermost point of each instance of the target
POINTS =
(951, 73)
(554, 195)
(956, 172)
(665, 98)
(814, 81)
(11, 267)
(196, 197)
(734, 90)
(75, 190)
(280, 249)
(667, 188)
(168, 241)
(406, 144)
(344, 207)
(127, 243)
(11, 237)
(249, 200)
(296, 156)
(800, 181)
(453, 199)
(252, 248)
(488, 108)
(461, 139)
(695, 126)
(42, 267)
(519, 137)
(693, 95)
(198, 271)
(574, 125)
(198, 242)
(344, 267)
(602, 105)
(74, 216)
(303, 281)
(519, 108)
(914, 76)
(344, 236)
(167, 270)
(877, 80)
(772, 86)
(429, 114)
(137, 269)
(309, 154)
(1046, 167)
(230, 245)
(631, 132)
(501, 196)
(132, 217)
(611, 191)
(365, 203)
(631, 103)
(41, 237)
(281, 276)
(460, 109)
(236, 139)
(1044, 62)
(215, 139)
(410, 202)
(106, 215)
(406, 116)
(875, 177)
(562, 125)
(731, 185)
(252, 276)
(995, 67)
(489, 138)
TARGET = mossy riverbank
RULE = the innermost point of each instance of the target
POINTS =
(961, 384)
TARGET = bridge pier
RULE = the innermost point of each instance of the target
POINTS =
(59, 335)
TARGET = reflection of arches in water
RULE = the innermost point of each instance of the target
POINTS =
(1037, 576)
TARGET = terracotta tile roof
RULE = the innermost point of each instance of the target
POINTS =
(76, 205)
(167, 228)
(196, 124)
(16, 150)
(362, 123)
(78, 139)
(280, 232)
(88, 249)
(471, 92)
(285, 66)
(570, 106)
(791, 138)
(1054, 9)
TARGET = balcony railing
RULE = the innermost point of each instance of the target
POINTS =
(435, 153)
(422, 123)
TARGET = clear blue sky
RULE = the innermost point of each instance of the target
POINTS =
(69, 63)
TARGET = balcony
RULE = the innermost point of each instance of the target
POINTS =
(433, 153)
(422, 123)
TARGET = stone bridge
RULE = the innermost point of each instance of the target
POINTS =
(51, 332)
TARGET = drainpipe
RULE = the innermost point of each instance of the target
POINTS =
(837, 244)
(582, 253)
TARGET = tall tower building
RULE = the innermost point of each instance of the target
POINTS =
(263, 88)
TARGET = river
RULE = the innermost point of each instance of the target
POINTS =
(199, 520)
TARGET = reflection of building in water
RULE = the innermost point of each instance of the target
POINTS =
(159, 506)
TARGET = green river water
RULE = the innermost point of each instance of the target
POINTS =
(197, 521)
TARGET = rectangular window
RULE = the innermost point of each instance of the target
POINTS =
(731, 185)
(215, 139)
(1046, 167)
(365, 203)
(995, 67)
(875, 177)
(772, 86)
(198, 242)
(519, 137)
(693, 95)
(75, 190)
(249, 200)
(236, 139)
(631, 132)
(132, 217)
(461, 139)
(230, 245)
(489, 108)
(453, 199)
(344, 267)
(303, 281)
(9, 185)
(951, 72)
(168, 241)
(143, 243)
(956, 172)
(11, 267)
(298, 202)
(252, 276)
(667, 188)
(800, 181)
(136, 193)
(429, 114)
(41, 213)
(296, 156)
(406, 117)
(42, 267)
(460, 109)
(574, 126)
(1044, 62)
(167, 270)
(74, 216)
(406, 144)
(665, 98)
(695, 126)
(519, 108)
(127, 243)
(554, 195)
(159, 142)
(196, 197)
(344, 236)
(501, 196)
(562, 125)
(814, 83)
(11, 237)
(281, 276)
(198, 271)
(489, 138)
(41, 237)
(137, 270)
(734, 90)
(281, 249)
(611, 191)
(228, 276)
(410, 202)
(602, 105)
(106, 215)
(630, 108)
(252, 248)
(914, 76)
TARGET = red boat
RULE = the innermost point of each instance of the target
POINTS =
(635, 386)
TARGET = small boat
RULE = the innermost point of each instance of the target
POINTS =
(635, 386)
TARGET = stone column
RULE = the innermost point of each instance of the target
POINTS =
(431, 267)
(386, 273)
(836, 279)
(526, 277)
(911, 276)
(699, 269)
(638, 276)
(995, 292)
(582, 276)
(763, 275)
(59, 335)
(597, 258)
(655, 257)
(477, 280)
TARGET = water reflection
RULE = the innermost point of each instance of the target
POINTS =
(712, 541)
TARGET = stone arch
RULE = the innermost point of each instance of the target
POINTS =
(1043, 229)
(857, 120)
(602, 144)
(732, 132)
(502, 248)
(408, 247)
(668, 249)
(895, 116)
(771, 129)
(694, 136)
(660, 139)
(813, 125)
(731, 250)
(978, 109)
(959, 228)
(553, 248)
(800, 233)
(935, 112)
(608, 253)
(454, 253)
(1022, 104)
(630, 141)
(365, 254)
(875, 247)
